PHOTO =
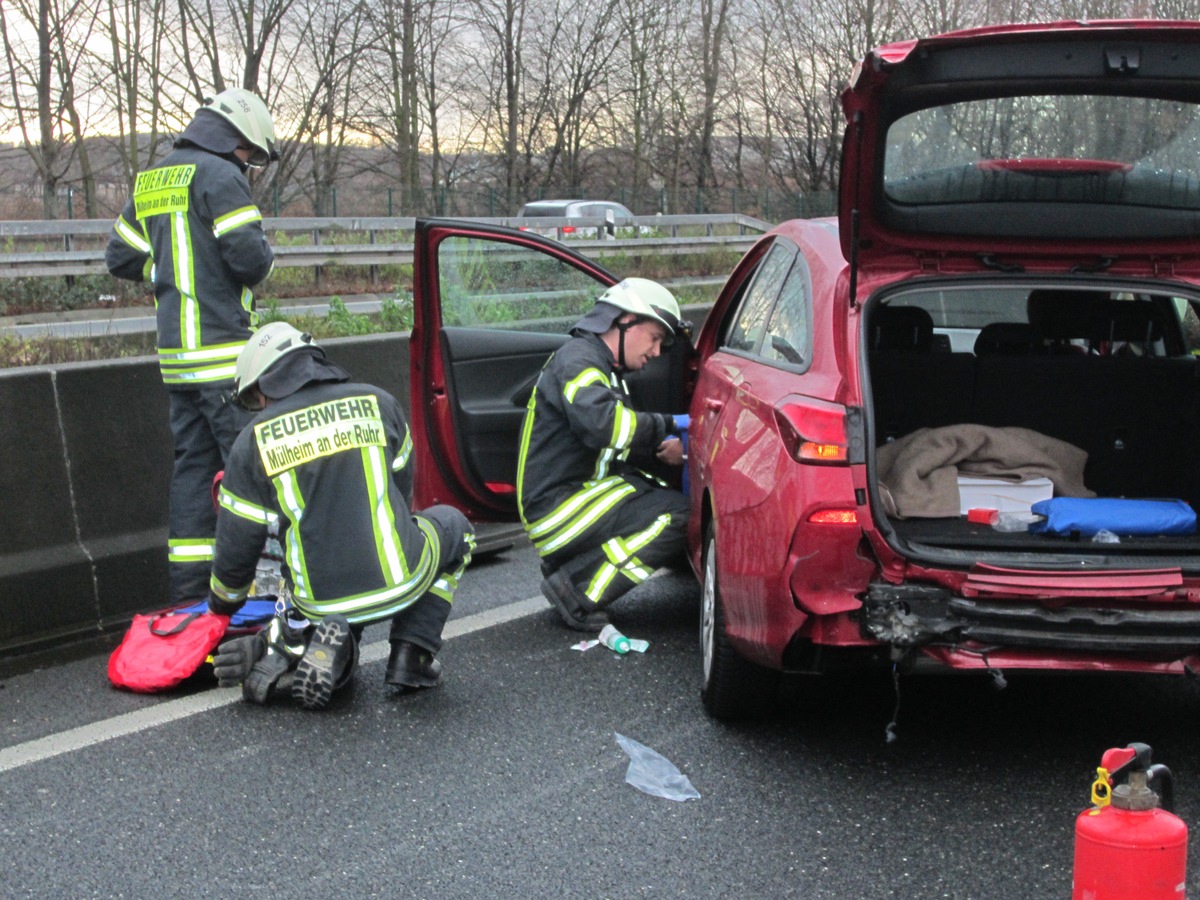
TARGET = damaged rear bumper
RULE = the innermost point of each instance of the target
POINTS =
(913, 616)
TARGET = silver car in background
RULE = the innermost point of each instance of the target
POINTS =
(617, 217)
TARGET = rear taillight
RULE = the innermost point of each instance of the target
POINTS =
(813, 431)
(834, 517)
(568, 229)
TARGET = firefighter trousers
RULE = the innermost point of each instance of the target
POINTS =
(422, 621)
(642, 533)
(204, 424)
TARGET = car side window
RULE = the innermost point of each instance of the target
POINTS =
(750, 321)
(788, 338)
(494, 284)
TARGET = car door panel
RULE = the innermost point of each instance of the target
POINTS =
(490, 377)
(490, 306)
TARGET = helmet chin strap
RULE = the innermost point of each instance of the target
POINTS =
(622, 327)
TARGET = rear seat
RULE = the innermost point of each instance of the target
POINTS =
(1137, 417)
(915, 382)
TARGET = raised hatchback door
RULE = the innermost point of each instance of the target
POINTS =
(1001, 144)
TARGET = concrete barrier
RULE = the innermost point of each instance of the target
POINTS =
(85, 462)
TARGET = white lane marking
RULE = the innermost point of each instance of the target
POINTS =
(171, 710)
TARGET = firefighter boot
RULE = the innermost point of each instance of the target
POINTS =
(573, 605)
(410, 666)
(327, 665)
(282, 646)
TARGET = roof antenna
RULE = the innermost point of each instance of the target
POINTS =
(858, 135)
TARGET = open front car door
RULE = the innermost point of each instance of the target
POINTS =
(491, 305)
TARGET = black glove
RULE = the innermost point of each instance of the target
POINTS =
(235, 658)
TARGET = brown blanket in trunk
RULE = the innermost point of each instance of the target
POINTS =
(918, 473)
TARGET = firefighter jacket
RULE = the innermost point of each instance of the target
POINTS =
(331, 464)
(576, 441)
(192, 229)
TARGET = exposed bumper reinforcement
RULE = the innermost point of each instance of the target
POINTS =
(911, 616)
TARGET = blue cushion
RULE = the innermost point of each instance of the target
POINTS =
(253, 612)
(1065, 515)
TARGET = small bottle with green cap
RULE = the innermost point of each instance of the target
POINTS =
(614, 640)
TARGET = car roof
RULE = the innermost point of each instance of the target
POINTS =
(907, 186)
(557, 207)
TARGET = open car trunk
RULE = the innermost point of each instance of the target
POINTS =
(1105, 366)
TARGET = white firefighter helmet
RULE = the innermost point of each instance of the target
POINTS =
(265, 348)
(247, 112)
(639, 296)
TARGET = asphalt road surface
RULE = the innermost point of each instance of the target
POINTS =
(508, 782)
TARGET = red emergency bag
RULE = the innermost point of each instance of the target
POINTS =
(162, 649)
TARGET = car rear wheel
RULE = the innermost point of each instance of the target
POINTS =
(734, 687)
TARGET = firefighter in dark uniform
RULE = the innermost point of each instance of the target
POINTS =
(192, 230)
(601, 524)
(329, 461)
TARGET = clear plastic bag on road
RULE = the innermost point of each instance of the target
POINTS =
(652, 773)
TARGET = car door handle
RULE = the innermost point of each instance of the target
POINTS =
(714, 405)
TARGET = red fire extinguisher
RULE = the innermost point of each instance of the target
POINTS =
(1129, 845)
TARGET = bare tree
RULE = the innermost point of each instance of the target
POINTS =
(324, 96)
(394, 114)
(577, 49)
(130, 79)
(714, 17)
(245, 30)
(43, 43)
(444, 69)
(501, 24)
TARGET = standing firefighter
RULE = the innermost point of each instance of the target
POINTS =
(601, 524)
(329, 462)
(192, 230)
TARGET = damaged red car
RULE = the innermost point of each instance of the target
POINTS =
(898, 414)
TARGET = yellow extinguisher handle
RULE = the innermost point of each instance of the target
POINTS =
(1101, 788)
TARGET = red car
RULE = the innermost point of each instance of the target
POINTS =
(1005, 310)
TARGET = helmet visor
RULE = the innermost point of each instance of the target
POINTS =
(671, 320)
(260, 158)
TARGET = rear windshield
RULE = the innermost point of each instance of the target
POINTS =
(1038, 150)
(1045, 320)
(548, 210)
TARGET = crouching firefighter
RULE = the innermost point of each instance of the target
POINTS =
(329, 461)
(601, 524)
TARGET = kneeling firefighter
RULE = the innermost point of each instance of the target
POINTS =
(329, 462)
(600, 522)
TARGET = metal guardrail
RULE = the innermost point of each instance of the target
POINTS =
(658, 235)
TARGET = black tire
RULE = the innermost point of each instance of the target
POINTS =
(733, 687)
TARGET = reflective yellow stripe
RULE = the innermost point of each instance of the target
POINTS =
(584, 521)
(132, 236)
(179, 365)
(190, 549)
(233, 595)
(236, 219)
(387, 541)
(406, 449)
(600, 582)
(185, 280)
(621, 560)
(571, 506)
(624, 424)
(291, 501)
(583, 379)
(446, 585)
(385, 602)
(244, 508)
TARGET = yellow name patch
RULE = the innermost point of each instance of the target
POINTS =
(321, 430)
(162, 190)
